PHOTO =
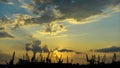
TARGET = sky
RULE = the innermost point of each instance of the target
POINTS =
(74, 26)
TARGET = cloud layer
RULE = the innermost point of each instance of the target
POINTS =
(67, 50)
(111, 49)
(49, 11)
(4, 1)
(72, 11)
(5, 35)
(63, 10)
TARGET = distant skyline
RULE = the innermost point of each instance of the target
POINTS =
(66, 25)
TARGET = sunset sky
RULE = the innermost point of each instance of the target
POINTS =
(63, 25)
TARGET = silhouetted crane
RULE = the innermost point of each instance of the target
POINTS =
(114, 58)
(47, 62)
(60, 60)
(27, 57)
(67, 60)
(12, 60)
(42, 58)
(48, 59)
(92, 60)
(33, 58)
(98, 59)
(103, 59)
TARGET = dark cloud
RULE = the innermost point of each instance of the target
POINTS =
(45, 48)
(48, 11)
(52, 10)
(111, 49)
(35, 46)
(28, 46)
(5, 35)
(20, 19)
(4, 1)
(65, 50)
(53, 29)
(9, 2)
(4, 19)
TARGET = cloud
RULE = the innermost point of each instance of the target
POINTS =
(45, 48)
(4, 34)
(111, 49)
(35, 46)
(115, 8)
(28, 46)
(53, 29)
(67, 11)
(20, 1)
(7, 2)
(27, 6)
(49, 11)
(72, 11)
(4, 19)
(4, 1)
(59, 36)
(67, 50)
(90, 19)
(20, 20)
(80, 11)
